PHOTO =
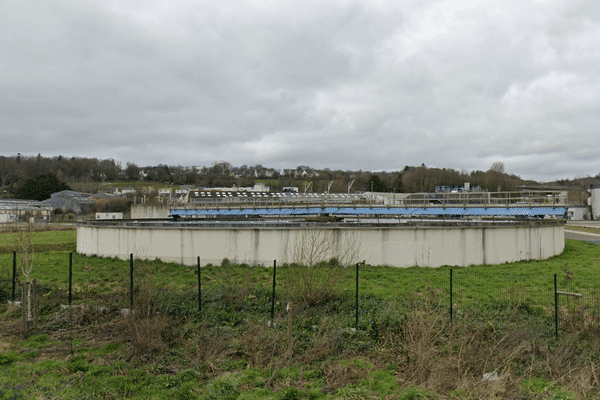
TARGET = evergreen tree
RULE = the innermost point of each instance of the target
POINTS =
(377, 184)
(40, 188)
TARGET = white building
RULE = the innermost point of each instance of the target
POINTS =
(109, 215)
(128, 190)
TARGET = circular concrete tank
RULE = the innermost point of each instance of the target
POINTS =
(427, 244)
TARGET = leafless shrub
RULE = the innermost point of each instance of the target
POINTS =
(23, 244)
(144, 303)
(213, 346)
(234, 293)
(148, 335)
(324, 343)
(261, 344)
(319, 263)
(317, 245)
(340, 375)
(432, 354)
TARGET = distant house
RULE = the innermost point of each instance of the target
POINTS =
(112, 189)
(128, 190)
(164, 192)
(184, 190)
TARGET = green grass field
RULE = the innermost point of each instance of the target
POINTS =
(577, 269)
(502, 322)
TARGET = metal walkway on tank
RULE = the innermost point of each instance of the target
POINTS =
(525, 211)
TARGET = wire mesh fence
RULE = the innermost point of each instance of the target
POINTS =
(355, 295)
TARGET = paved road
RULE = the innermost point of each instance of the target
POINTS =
(588, 237)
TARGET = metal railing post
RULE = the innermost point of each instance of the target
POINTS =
(131, 281)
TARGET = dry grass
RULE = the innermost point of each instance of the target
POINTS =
(343, 374)
(434, 355)
(422, 348)
(148, 335)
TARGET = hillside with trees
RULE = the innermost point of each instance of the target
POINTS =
(18, 174)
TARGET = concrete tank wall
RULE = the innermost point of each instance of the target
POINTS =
(394, 245)
(149, 211)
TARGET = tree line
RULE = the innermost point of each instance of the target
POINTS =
(409, 180)
(20, 175)
(15, 171)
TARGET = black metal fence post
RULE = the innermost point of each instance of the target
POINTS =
(273, 297)
(450, 295)
(131, 281)
(70, 278)
(357, 264)
(199, 288)
(14, 277)
(555, 307)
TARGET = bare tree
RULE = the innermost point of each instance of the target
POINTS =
(320, 256)
(23, 243)
(497, 166)
(316, 245)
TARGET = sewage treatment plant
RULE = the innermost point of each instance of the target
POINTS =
(423, 230)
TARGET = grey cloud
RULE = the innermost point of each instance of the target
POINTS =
(349, 85)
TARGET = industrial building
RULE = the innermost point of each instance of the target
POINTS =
(70, 201)
(19, 210)
(402, 230)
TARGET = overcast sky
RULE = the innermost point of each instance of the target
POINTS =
(371, 85)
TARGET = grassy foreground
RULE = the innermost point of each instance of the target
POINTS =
(404, 348)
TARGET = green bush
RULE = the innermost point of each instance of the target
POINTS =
(77, 364)
(35, 342)
(290, 393)
(8, 358)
